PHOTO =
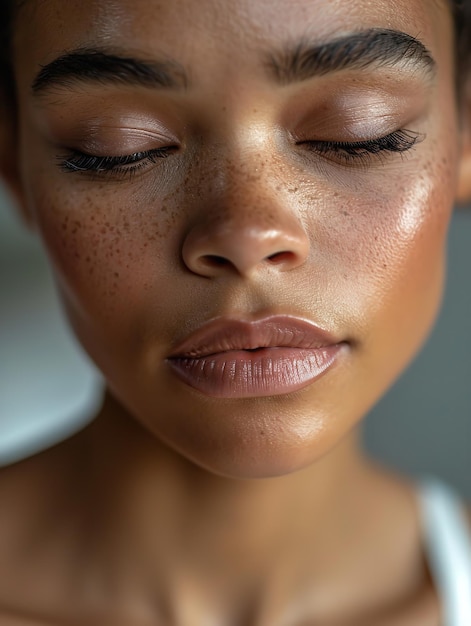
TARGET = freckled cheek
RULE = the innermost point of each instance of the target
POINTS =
(415, 239)
(106, 249)
(388, 244)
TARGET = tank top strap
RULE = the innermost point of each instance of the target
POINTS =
(447, 542)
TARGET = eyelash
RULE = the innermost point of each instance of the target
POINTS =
(80, 162)
(360, 152)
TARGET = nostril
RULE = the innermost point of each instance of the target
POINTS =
(214, 249)
(280, 257)
(213, 260)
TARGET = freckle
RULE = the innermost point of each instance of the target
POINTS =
(116, 274)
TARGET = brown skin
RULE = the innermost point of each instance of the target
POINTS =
(152, 514)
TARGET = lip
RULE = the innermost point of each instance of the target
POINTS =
(229, 358)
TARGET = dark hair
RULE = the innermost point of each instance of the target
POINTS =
(462, 18)
(461, 12)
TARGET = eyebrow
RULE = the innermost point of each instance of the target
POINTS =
(362, 50)
(102, 67)
(358, 51)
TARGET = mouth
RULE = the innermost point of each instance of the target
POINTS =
(275, 355)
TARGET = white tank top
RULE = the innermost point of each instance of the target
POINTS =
(448, 547)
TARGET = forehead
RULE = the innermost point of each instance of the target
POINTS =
(215, 28)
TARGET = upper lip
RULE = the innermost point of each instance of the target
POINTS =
(223, 335)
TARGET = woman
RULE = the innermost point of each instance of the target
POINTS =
(245, 205)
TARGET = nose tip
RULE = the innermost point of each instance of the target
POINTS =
(214, 251)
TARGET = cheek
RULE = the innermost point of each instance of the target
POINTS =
(114, 255)
(102, 247)
(391, 246)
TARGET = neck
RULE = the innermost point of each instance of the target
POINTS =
(175, 530)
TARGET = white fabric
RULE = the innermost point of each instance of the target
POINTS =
(448, 546)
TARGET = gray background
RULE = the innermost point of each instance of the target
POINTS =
(48, 388)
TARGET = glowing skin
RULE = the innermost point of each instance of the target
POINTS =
(361, 242)
(228, 215)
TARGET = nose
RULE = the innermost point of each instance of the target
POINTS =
(246, 239)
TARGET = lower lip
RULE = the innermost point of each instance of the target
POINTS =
(247, 374)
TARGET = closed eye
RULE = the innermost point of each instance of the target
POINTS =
(365, 151)
(81, 162)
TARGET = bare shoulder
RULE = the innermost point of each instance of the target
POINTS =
(30, 487)
(31, 493)
(8, 619)
(23, 492)
(18, 483)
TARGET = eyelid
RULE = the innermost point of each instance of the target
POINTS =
(336, 126)
(122, 142)
(112, 130)
(355, 114)
(80, 162)
(340, 130)
(368, 152)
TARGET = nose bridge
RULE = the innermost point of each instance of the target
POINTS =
(244, 224)
(243, 195)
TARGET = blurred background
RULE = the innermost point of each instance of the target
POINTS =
(49, 389)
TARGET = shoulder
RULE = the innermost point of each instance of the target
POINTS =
(28, 492)
(16, 515)
(9, 619)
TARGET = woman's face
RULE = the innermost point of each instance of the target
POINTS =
(206, 167)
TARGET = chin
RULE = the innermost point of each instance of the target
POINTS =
(245, 465)
(252, 448)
